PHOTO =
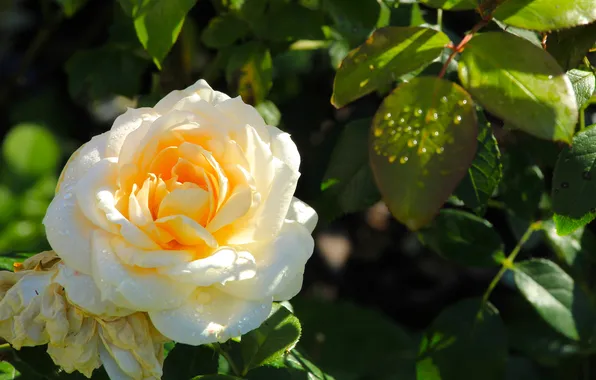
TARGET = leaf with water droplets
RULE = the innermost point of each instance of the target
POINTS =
(388, 54)
(546, 15)
(583, 83)
(485, 174)
(423, 141)
(520, 83)
(574, 181)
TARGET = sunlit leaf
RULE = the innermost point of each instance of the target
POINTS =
(388, 54)
(584, 84)
(556, 297)
(424, 138)
(31, 150)
(520, 83)
(451, 5)
(546, 15)
(249, 72)
(223, 31)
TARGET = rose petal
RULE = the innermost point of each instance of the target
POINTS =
(131, 255)
(211, 316)
(113, 368)
(236, 206)
(81, 161)
(124, 124)
(303, 214)
(278, 264)
(284, 148)
(130, 287)
(226, 264)
(193, 203)
(186, 231)
(81, 290)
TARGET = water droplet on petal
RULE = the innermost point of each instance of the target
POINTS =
(67, 195)
(403, 160)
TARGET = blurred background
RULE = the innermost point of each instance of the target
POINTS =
(66, 73)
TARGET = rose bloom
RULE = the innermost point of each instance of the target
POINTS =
(34, 311)
(184, 211)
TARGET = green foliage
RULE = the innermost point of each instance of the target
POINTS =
(480, 105)
(423, 140)
(520, 83)
(464, 238)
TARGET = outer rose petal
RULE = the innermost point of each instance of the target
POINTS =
(278, 265)
(140, 289)
(67, 229)
(201, 87)
(284, 148)
(303, 214)
(81, 290)
(211, 316)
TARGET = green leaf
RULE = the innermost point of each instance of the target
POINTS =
(105, 71)
(8, 207)
(577, 249)
(485, 174)
(184, 362)
(348, 183)
(269, 112)
(70, 7)
(530, 35)
(388, 54)
(467, 340)
(249, 72)
(520, 83)
(8, 372)
(574, 178)
(464, 238)
(570, 46)
(223, 31)
(546, 15)
(353, 19)
(556, 297)
(290, 22)
(158, 23)
(522, 186)
(31, 150)
(7, 261)
(566, 225)
(584, 84)
(451, 5)
(270, 342)
(348, 340)
(423, 142)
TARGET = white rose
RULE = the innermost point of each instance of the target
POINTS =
(185, 211)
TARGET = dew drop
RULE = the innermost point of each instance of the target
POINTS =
(392, 159)
(457, 120)
(435, 116)
(419, 112)
(436, 133)
(423, 150)
(408, 128)
(587, 175)
(67, 195)
(403, 159)
(391, 123)
(416, 132)
(444, 99)
(402, 120)
(550, 77)
(392, 132)
(565, 185)
(388, 116)
(462, 102)
(371, 67)
(378, 132)
(440, 150)
(412, 143)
